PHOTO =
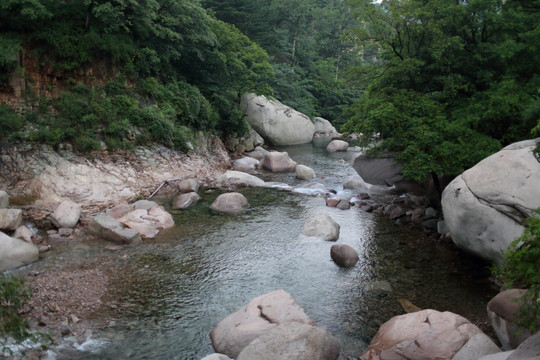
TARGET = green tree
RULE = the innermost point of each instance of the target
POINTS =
(446, 90)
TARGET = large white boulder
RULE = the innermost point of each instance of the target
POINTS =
(261, 314)
(426, 334)
(293, 341)
(239, 178)
(485, 207)
(276, 122)
(16, 252)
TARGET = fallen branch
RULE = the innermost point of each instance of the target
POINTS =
(160, 186)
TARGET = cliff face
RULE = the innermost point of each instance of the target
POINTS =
(104, 178)
(34, 78)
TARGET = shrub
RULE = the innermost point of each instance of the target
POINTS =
(521, 267)
(13, 295)
(11, 122)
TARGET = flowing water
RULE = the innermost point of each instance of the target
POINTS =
(172, 290)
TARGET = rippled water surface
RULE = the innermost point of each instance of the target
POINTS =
(172, 290)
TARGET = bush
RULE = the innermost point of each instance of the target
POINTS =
(521, 267)
(13, 295)
(11, 122)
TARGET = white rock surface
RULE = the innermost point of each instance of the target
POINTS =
(276, 161)
(239, 178)
(4, 199)
(232, 203)
(66, 215)
(323, 126)
(304, 172)
(337, 145)
(276, 122)
(10, 219)
(485, 206)
(245, 164)
(16, 252)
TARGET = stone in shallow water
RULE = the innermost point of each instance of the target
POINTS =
(322, 226)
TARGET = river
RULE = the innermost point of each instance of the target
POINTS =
(175, 288)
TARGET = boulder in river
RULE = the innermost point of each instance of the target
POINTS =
(344, 255)
(148, 222)
(485, 207)
(321, 226)
(304, 172)
(323, 126)
(276, 161)
(263, 313)
(276, 122)
(337, 145)
(10, 219)
(185, 201)
(426, 334)
(239, 178)
(4, 199)
(189, 185)
(66, 215)
(106, 227)
(16, 252)
(232, 203)
(292, 341)
(246, 164)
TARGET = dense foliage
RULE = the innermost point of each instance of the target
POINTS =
(188, 66)
(303, 39)
(455, 80)
(522, 268)
(13, 295)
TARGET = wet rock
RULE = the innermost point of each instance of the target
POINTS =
(4, 199)
(65, 232)
(477, 346)
(16, 252)
(344, 255)
(278, 162)
(184, 201)
(292, 341)
(233, 333)
(528, 350)
(66, 215)
(430, 224)
(232, 203)
(145, 205)
(259, 153)
(313, 188)
(426, 334)
(321, 226)
(344, 205)
(189, 185)
(10, 219)
(332, 202)
(396, 213)
(364, 196)
(367, 208)
(337, 145)
(148, 223)
(120, 210)
(245, 164)
(430, 213)
(24, 233)
(108, 228)
(503, 313)
(239, 178)
(304, 172)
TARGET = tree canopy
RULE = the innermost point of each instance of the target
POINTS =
(455, 80)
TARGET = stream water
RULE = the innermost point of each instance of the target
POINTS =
(175, 288)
